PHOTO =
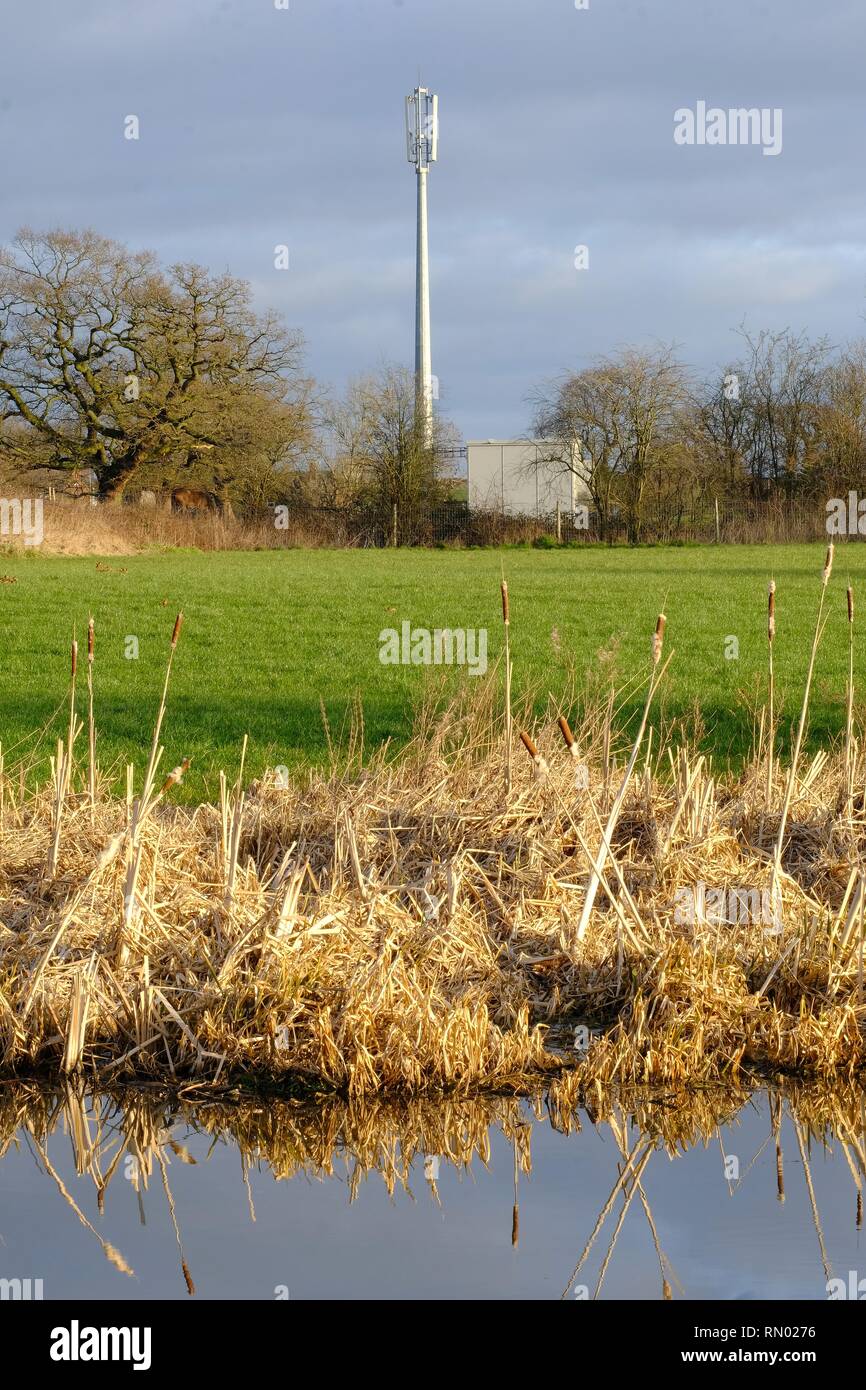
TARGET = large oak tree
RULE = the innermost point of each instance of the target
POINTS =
(119, 365)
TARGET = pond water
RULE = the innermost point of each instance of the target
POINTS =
(708, 1195)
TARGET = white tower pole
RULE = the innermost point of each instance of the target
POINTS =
(423, 360)
(422, 121)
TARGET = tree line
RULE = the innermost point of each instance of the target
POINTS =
(141, 376)
(786, 417)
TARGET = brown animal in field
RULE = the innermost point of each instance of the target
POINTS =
(191, 499)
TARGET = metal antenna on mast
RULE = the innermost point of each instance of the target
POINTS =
(422, 144)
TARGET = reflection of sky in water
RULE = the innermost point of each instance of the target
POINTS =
(308, 1237)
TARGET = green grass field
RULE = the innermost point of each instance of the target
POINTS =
(268, 635)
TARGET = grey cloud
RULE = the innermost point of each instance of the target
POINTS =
(261, 126)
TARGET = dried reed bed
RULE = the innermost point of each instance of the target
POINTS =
(407, 928)
(80, 529)
(458, 918)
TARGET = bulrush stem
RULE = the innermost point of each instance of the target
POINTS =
(91, 728)
(154, 748)
(71, 735)
(63, 770)
(771, 686)
(515, 1210)
(795, 758)
(776, 1112)
(140, 810)
(604, 850)
(506, 621)
(849, 709)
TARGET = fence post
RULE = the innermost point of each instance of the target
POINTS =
(394, 525)
(559, 523)
(716, 500)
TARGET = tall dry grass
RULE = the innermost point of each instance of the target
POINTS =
(81, 529)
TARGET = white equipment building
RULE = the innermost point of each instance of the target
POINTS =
(522, 477)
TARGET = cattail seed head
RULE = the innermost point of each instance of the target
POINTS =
(176, 774)
(505, 611)
(74, 658)
(828, 564)
(658, 638)
(850, 596)
(90, 636)
(566, 732)
(771, 610)
(541, 768)
(528, 744)
(177, 626)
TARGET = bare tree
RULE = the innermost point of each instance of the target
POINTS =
(377, 451)
(840, 443)
(759, 423)
(727, 429)
(614, 420)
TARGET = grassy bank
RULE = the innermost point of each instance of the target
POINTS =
(274, 638)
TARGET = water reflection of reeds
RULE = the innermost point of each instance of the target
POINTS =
(138, 1132)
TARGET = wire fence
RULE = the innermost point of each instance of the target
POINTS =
(456, 523)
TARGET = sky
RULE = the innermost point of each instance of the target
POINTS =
(261, 127)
